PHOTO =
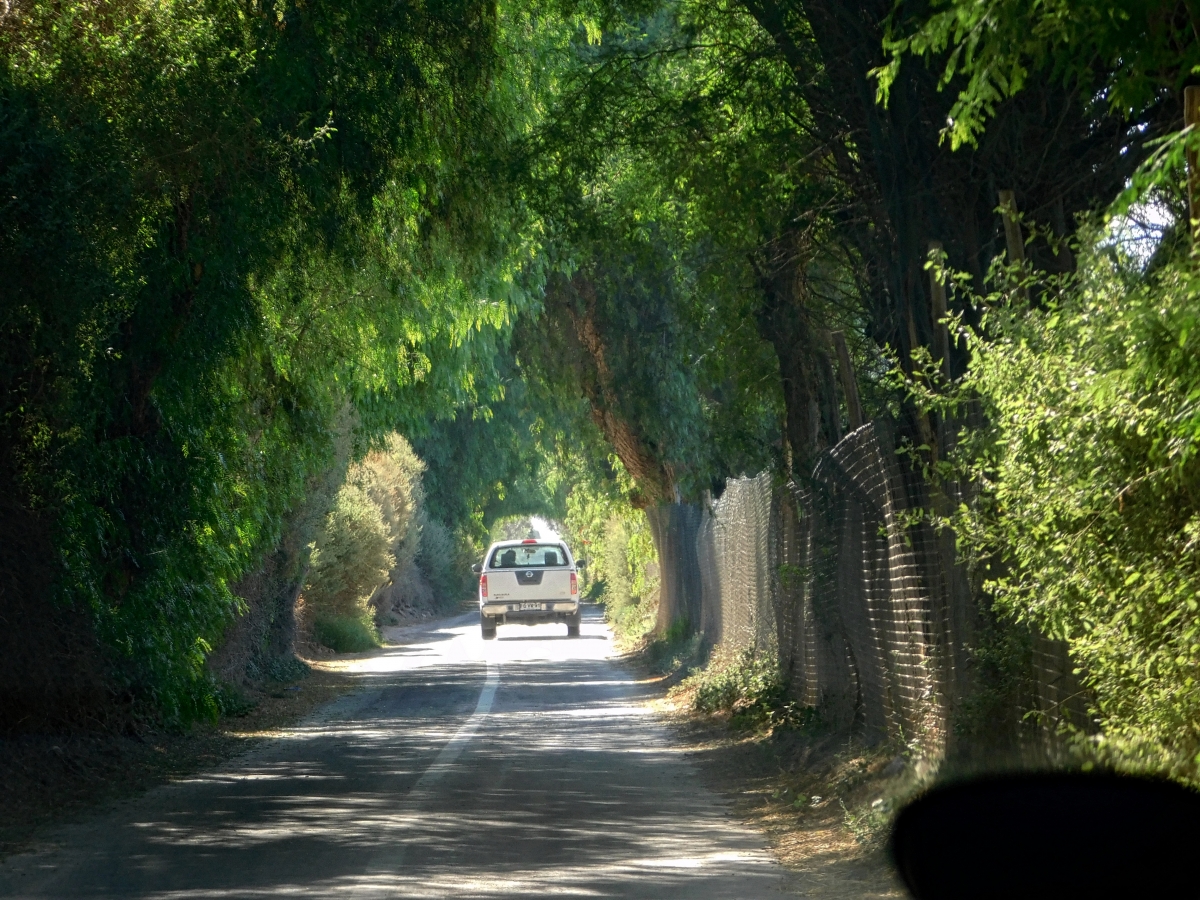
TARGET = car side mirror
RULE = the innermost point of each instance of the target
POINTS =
(477, 568)
(1063, 835)
(581, 563)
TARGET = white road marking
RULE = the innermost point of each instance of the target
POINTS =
(455, 746)
(389, 862)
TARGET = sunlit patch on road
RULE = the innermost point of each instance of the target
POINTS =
(527, 765)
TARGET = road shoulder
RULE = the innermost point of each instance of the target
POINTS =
(54, 780)
(798, 789)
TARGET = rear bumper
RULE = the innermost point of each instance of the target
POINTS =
(513, 614)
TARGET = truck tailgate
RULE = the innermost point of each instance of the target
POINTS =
(530, 584)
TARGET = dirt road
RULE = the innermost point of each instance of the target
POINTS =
(527, 766)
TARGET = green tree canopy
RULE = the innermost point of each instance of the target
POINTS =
(1127, 55)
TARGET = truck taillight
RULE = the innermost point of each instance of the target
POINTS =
(482, 585)
(574, 584)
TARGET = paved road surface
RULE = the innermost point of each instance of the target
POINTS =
(526, 766)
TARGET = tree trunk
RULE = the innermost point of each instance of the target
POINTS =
(813, 419)
(675, 527)
(655, 481)
(54, 675)
(261, 643)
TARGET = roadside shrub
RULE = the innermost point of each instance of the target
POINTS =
(633, 621)
(446, 559)
(346, 634)
(391, 476)
(748, 687)
(627, 566)
(352, 556)
(614, 564)
(674, 650)
(1087, 525)
(379, 535)
(372, 537)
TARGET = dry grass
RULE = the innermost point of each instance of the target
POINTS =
(804, 791)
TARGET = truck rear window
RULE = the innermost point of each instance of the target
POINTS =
(529, 556)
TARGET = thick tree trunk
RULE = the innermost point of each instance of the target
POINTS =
(655, 481)
(54, 675)
(261, 643)
(674, 527)
(813, 418)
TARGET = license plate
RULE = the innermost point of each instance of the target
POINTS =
(531, 606)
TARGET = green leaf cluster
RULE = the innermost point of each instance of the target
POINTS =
(221, 222)
(1124, 54)
(1088, 524)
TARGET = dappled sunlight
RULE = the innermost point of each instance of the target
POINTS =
(553, 781)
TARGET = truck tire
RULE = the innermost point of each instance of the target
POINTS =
(487, 627)
(573, 625)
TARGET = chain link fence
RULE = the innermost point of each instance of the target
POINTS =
(735, 547)
(874, 620)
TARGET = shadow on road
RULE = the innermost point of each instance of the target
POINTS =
(567, 786)
(551, 637)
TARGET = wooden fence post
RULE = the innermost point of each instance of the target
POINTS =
(1012, 232)
(924, 426)
(1191, 116)
(828, 393)
(937, 293)
(849, 385)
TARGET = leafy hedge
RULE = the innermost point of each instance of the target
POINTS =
(1088, 526)
(222, 223)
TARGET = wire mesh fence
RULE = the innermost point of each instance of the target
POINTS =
(873, 618)
(735, 549)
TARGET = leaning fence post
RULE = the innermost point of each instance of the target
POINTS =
(1191, 116)
(937, 293)
(827, 385)
(849, 385)
(1012, 233)
(924, 426)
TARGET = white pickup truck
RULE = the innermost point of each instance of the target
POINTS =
(526, 583)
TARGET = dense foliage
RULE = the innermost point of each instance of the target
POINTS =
(614, 537)
(586, 258)
(745, 686)
(1082, 382)
(373, 534)
(1089, 519)
(222, 222)
(1129, 55)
